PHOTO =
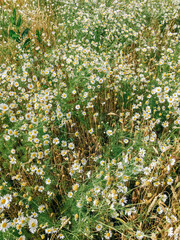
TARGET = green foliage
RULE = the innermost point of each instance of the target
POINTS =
(39, 34)
(18, 36)
(13, 17)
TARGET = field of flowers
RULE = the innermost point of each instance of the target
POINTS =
(89, 120)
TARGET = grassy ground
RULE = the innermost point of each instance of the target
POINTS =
(89, 119)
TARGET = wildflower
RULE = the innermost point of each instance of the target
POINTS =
(41, 208)
(126, 178)
(88, 174)
(108, 235)
(13, 151)
(176, 236)
(102, 162)
(163, 197)
(159, 210)
(49, 193)
(169, 181)
(109, 132)
(165, 124)
(46, 142)
(74, 92)
(71, 145)
(33, 223)
(147, 170)
(170, 232)
(70, 194)
(122, 201)
(98, 227)
(95, 202)
(41, 188)
(97, 189)
(64, 95)
(76, 217)
(60, 236)
(34, 215)
(114, 214)
(7, 137)
(91, 131)
(64, 143)
(4, 225)
(79, 204)
(174, 218)
(4, 202)
(130, 211)
(63, 152)
(22, 238)
(142, 152)
(75, 187)
(77, 107)
(139, 235)
(56, 141)
(48, 181)
(76, 134)
(13, 160)
(172, 161)
(4, 107)
(39, 171)
(126, 141)
(83, 161)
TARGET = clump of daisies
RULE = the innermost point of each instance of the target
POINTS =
(89, 120)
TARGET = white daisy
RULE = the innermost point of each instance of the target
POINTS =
(33, 224)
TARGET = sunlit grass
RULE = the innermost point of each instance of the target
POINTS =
(89, 120)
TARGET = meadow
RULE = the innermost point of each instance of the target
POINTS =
(89, 120)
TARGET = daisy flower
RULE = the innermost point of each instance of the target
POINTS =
(139, 235)
(56, 141)
(71, 145)
(48, 181)
(41, 208)
(4, 225)
(4, 107)
(98, 227)
(169, 181)
(91, 131)
(126, 141)
(60, 236)
(109, 132)
(70, 194)
(108, 235)
(33, 224)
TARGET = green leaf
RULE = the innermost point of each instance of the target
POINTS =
(5, 33)
(13, 17)
(25, 32)
(14, 35)
(37, 33)
(19, 22)
(41, 31)
(11, 33)
(26, 42)
(18, 40)
(14, 14)
(18, 32)
(39, 39)
(12, 20)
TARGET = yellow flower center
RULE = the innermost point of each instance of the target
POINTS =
(3, 201)
(4, 224)
(33, 224)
